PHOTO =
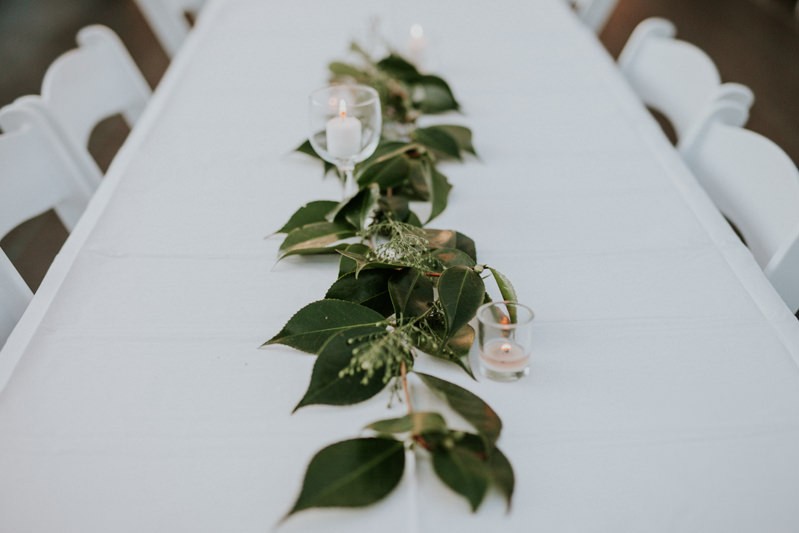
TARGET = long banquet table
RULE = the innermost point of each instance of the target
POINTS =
(664, 392)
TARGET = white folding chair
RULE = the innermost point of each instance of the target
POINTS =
(167, 18)
(90, 83)
(594, 13)
(14, 297)
(676, 78)
(756, 186)
(39, 171)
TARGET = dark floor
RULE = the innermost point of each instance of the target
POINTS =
(754, 42)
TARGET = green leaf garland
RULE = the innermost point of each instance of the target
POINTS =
(402, 290)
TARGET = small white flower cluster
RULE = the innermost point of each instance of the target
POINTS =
(406, 246)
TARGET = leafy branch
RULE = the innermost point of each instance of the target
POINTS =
(402, 289)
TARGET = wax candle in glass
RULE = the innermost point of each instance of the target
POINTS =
(417, 44)
(505, 337)
(345, 123)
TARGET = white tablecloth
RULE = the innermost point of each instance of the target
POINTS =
(664, 393)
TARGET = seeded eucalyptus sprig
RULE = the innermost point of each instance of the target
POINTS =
(402, 290)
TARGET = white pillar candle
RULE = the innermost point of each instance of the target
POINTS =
(503, 355)
(343, 134)
(417, 44)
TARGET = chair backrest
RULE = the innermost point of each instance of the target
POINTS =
(90, 83)
(595, 13)
(167, 18)
(675, 77)
(756, 186)
(14, 297)
(38, 171)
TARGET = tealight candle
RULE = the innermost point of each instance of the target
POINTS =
(504, 332)
(503, 355)
(343, 134)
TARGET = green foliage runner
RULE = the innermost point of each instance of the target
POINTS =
(401, 289)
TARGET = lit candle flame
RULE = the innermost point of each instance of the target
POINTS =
(417, 32)
(342, 108)
(506, 347)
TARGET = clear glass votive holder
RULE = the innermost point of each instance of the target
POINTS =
(505, 333)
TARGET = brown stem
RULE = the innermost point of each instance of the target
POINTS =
(418, 439)
(404, 378)
(433, 274)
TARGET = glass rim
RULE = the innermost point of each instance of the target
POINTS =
(495, 324)
(373, 94)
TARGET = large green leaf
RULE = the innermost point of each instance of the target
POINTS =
(411, 293)
(358, 210)
(440, 238)
(461, 343)
(463, 471)
(397, 67)
(352, 473)
(450, 257)
(432, 95)
(438, 140)
(396, 206)
(310, 327)
(385, 151)
(420, 176)
(505, 286)
(465, 244)
(473, 409)
(369, 289)
(461, 134)
(506, 290)
(502, 474)
(388, 173)
(416, 423)
(328, 386)
(499, 468)
(321, 250)
(460, 291)
(315, 235)
(439, 193)
(308, 214)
